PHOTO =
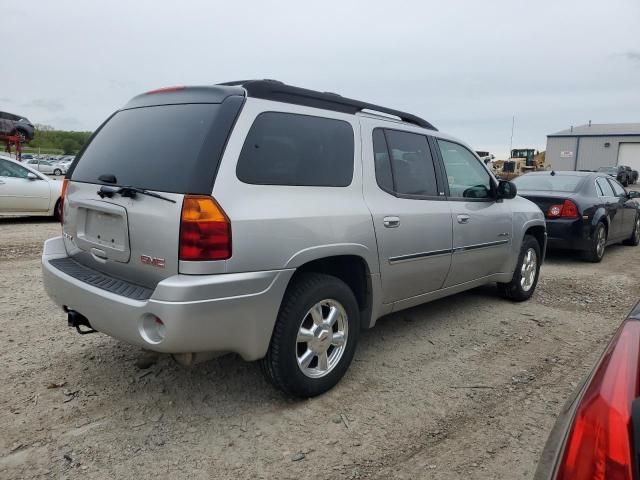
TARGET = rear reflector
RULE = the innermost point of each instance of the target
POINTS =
(568, 209)
(165, 90)
(65, 184)
(205, 230)
(599, 445)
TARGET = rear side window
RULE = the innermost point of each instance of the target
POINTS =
(169, 148)
(605, 188)
(619, 189)
(403, 163)
(292, 149)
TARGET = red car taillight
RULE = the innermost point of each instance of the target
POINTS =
(599, 445)
(65, 184)
(568, 209)
(205, 230)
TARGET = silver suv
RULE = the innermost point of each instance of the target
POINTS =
(277, 223)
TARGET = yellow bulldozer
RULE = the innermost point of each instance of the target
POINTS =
(522, 160)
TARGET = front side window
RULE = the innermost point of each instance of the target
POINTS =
(403, 163)
(8, 169)
(301, 150)
(466, 176)
(605, 188)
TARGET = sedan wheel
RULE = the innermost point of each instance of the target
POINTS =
(635, 234)
(598, 245)
(57, 171)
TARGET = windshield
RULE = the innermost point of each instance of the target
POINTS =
(164, 148)
(550, 183)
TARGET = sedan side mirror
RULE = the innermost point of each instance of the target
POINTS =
(507, 189)
(633, 194)
(32, 176)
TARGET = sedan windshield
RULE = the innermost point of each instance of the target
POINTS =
(550, 183)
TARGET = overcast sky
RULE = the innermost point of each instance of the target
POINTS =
(466, 66)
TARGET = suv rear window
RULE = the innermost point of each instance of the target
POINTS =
(169, 148)
(292, 149)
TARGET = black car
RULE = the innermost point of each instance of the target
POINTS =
(633, 174)
(597, 433)
(619, 173)
(11, 124)
(585, 211)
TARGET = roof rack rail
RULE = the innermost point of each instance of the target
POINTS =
(281, 92)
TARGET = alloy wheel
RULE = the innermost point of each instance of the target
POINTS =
(528, 269)
(601, 241)
(322, 338)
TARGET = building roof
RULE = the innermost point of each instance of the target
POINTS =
(600, 130)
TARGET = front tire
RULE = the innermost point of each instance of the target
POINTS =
(315, 336)
(525, 277)
(634, 240)
(595, 254)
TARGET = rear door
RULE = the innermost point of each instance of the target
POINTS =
(482, 225)
(168, 150)
(612, 205)
(412, 220)
(18, 193)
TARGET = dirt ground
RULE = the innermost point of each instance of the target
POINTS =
(465, 387)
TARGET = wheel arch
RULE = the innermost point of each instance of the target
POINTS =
(353, 270)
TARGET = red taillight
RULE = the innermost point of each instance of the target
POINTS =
(165, 90)
(65, 184)
(568, 209)
(205, 230)
(599, 445)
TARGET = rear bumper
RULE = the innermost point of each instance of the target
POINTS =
(569, 234)
(202, 313)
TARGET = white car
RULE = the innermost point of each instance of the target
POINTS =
(25, 191)
(46, 166)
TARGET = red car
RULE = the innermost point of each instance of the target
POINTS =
(597, 434)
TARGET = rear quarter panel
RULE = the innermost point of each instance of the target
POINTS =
(277, 227)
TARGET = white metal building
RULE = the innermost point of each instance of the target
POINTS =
(590, 146)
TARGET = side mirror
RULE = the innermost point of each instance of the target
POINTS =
(633, 194)
(32, 176)
(507, 189)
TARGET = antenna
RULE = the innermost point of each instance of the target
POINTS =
(513, 123)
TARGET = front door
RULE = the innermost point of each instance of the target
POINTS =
(482, 225)
(411, 220)
(626, 208)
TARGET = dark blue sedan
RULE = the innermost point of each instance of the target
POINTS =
(585, 211)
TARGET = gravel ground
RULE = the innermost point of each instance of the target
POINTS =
(466, 387)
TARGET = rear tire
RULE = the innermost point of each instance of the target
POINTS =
(57, 172)
(525, 277)
(596, 251)
(634, 240)
(304, 327)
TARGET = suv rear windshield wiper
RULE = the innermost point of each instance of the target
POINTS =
(131, 192)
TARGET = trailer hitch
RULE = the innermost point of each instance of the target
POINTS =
(77, 320)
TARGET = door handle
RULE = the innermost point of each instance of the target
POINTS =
(391, 222)
(463, 218)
